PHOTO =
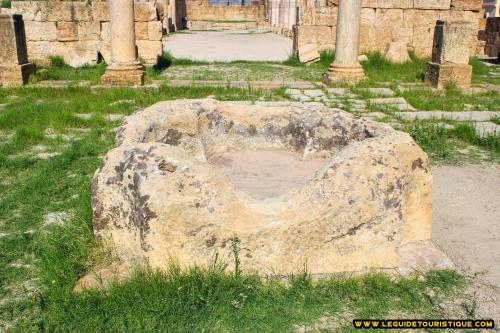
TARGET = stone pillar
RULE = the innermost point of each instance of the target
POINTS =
(14, 66)
(450, 54)
(346, 66)
(124, 69)
(281, 16)
(292, 14)
(286, 14)
(274, 17)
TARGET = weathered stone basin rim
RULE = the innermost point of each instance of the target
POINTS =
(158, 196)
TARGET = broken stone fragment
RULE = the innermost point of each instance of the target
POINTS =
(102, 278)
(309, 53)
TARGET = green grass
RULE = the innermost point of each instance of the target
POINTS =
(38, 297)
(443, 144)
(5, 4)
(452, 99)
(481, 72)
(59, 70)
(379, 69)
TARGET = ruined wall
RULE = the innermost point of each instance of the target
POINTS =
(201, 10)
(385, 21)
(491, 35)
(79, 31)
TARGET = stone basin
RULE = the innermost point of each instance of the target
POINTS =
(296, 184)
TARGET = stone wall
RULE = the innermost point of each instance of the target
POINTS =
(80, 32)
(201, 10)
(386, 21)
(492, 37)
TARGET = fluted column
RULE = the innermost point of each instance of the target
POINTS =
(124, 69)
(346, 66)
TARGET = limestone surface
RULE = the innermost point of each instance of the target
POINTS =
(397, 52)
(286, 186)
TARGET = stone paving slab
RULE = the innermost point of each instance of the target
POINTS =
(337, 91)
(387, 92)
(458, 115)
(266, 85)
(313, 93)
(487, 128)
(302, 98)
(375, 115)
(491, 86)
(290, 92)
(114, 117)
(396, 102)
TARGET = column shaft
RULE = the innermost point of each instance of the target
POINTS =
(346, 66)
(124, 68)
(121, 17)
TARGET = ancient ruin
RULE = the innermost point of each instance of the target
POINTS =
(189, 177)
(80, 32)
(450, 55)
(125, 68)
(14, 66)
(346, 66)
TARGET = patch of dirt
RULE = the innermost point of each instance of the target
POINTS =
(466, 223)
(466, 226)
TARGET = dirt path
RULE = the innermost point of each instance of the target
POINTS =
(466, 226)
(467, 218)
(228, 46)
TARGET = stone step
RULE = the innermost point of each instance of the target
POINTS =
(396, 102)
(487, 128)
(387, 92)
(265, 85)
(452, 115)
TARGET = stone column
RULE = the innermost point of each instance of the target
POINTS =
(124, 69)
(292, 14)
(346, 66)
(281, 16)
(15, 69)
(286, 15)
(450, 54)
(274, 17)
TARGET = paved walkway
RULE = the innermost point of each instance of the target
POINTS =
(228, 46)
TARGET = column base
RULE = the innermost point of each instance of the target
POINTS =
(123, 75)
(344, 73)
(441, 75)
(15, 75)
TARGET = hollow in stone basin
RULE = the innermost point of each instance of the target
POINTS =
(295, 183)
(265, 174)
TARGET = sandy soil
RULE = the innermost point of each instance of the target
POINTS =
(466, 226)
(265, 174)
(466, 222)
(228, 46)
